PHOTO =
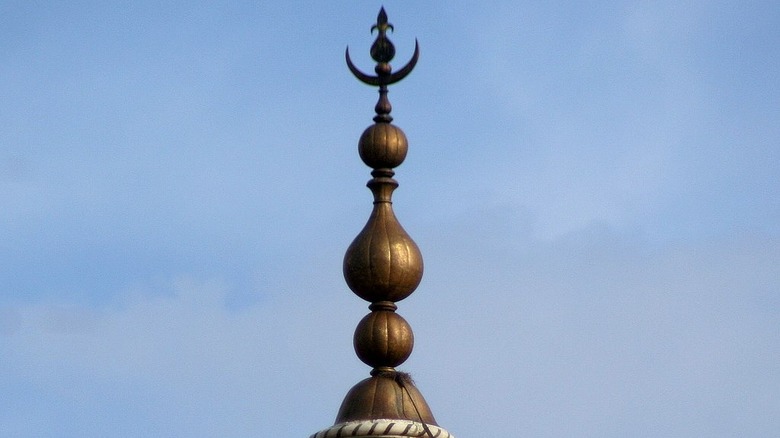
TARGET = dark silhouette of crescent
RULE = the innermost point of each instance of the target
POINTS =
(392, 78)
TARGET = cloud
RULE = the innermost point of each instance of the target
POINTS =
(598, 333)
(169, 364)
(595, 332)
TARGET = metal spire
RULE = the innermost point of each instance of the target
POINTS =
(383, 266)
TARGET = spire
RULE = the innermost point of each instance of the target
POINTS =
(383, 266)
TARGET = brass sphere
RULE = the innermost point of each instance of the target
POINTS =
(383, 339)
(383, 146)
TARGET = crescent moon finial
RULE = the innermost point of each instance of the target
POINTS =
(383, 51)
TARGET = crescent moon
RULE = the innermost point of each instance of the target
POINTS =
(362, 77)
(400, 74)
(393, 78)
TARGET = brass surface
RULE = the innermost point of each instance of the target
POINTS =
(384, 397)
(383, 146)
(383, 339)
(383, 263)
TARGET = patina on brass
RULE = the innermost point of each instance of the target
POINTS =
(385, 396)
(383, 264)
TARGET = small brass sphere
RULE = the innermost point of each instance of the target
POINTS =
(383, 68)
(383, 339)
(383, 145)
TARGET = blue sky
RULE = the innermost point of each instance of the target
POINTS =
(594, 188)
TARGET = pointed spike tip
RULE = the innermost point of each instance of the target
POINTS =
(381, 22)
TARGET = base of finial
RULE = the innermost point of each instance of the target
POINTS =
(383, 429)
(389, 395)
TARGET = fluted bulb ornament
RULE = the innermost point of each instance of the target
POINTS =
(383, 263)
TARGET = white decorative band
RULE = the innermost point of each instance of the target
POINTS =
(383, 428)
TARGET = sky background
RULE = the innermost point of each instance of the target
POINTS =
(593, 185)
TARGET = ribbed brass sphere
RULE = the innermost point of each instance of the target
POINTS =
(383, 339)
(383, 146)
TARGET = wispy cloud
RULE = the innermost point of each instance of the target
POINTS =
(591, 333)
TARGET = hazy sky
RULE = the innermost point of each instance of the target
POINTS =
(593, 185)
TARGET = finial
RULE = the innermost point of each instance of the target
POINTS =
(383, 266)
(383, 51)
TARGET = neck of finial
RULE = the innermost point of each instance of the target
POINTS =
(383, 107)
